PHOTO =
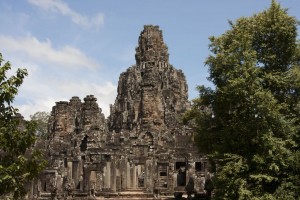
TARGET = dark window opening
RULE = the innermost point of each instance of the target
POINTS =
(198, 166)
(181, 173)
(140, 182)
(75, 170)
(76, 122)
(83, 145)
(180, 165)
(107, 157)
(163, 173)
(165, 185)
(78, 186)
(66, 162)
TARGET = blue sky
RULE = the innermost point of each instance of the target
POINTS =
(76, 48)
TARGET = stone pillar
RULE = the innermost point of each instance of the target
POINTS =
(99, 180)
(124, 175)
(113, 175)
(174, 178)
(148, 182)
(118, 180)
(107, 175)
(59, 184)
(92, 182)
(75, 175)
(70, 163)
(128, 175)
(80, 172)
(93, 176)
(104, 177)
(134, 177)
(87, 173)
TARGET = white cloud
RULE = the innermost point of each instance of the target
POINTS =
(43, 52)
(105, 94)
(63, 8)
(39, 92)
(54, 75)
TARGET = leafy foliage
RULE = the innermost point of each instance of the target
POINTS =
(41, 119)
(250, 122)
(18, 165)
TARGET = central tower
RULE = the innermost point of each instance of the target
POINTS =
(151, 46)
(151, 94)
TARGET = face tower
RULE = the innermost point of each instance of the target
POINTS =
(152, 93)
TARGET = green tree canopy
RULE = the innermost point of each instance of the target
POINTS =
(250, 122)
(41, 119)
(18, 163)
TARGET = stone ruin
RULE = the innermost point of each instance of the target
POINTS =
(141, 150)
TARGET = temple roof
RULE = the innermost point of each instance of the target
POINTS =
(151, 46)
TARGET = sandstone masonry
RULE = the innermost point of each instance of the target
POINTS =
(140, 150)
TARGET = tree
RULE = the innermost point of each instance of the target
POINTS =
(17, 164)
(41, 119)
(249, 123)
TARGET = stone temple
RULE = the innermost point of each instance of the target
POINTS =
(141, 150)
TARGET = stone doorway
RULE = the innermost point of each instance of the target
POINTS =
(140, 174)
(181, 173)
(163, 175)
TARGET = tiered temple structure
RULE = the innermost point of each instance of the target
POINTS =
(142, 149)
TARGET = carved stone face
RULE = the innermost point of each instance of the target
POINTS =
(86, 120)
(149, 138)
(59, 125)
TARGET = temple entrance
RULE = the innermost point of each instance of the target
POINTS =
(181, 173)
(140, 174)
(135, 175)
(49, 183)
(163, 175)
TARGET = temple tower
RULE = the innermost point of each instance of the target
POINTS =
(152, 93)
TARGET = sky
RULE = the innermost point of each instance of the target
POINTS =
(77, 48)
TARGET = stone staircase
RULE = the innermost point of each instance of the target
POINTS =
(129, 194)
(133, 194)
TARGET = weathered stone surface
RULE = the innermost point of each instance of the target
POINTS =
(151, 94)
(141, 150)
(75, 125)
(151, 46)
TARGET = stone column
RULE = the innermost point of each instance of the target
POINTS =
(87, 173)
(75, 170)
(107, 175)
(80, 172)
(128, 175)
(118, 180)
(93, 177)
(148, 182)
(134, 177)
(70, 163)
(175, 178)
(113, 175)
(59, 184)
(124, 175)
(98, 186)
(104, 177)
